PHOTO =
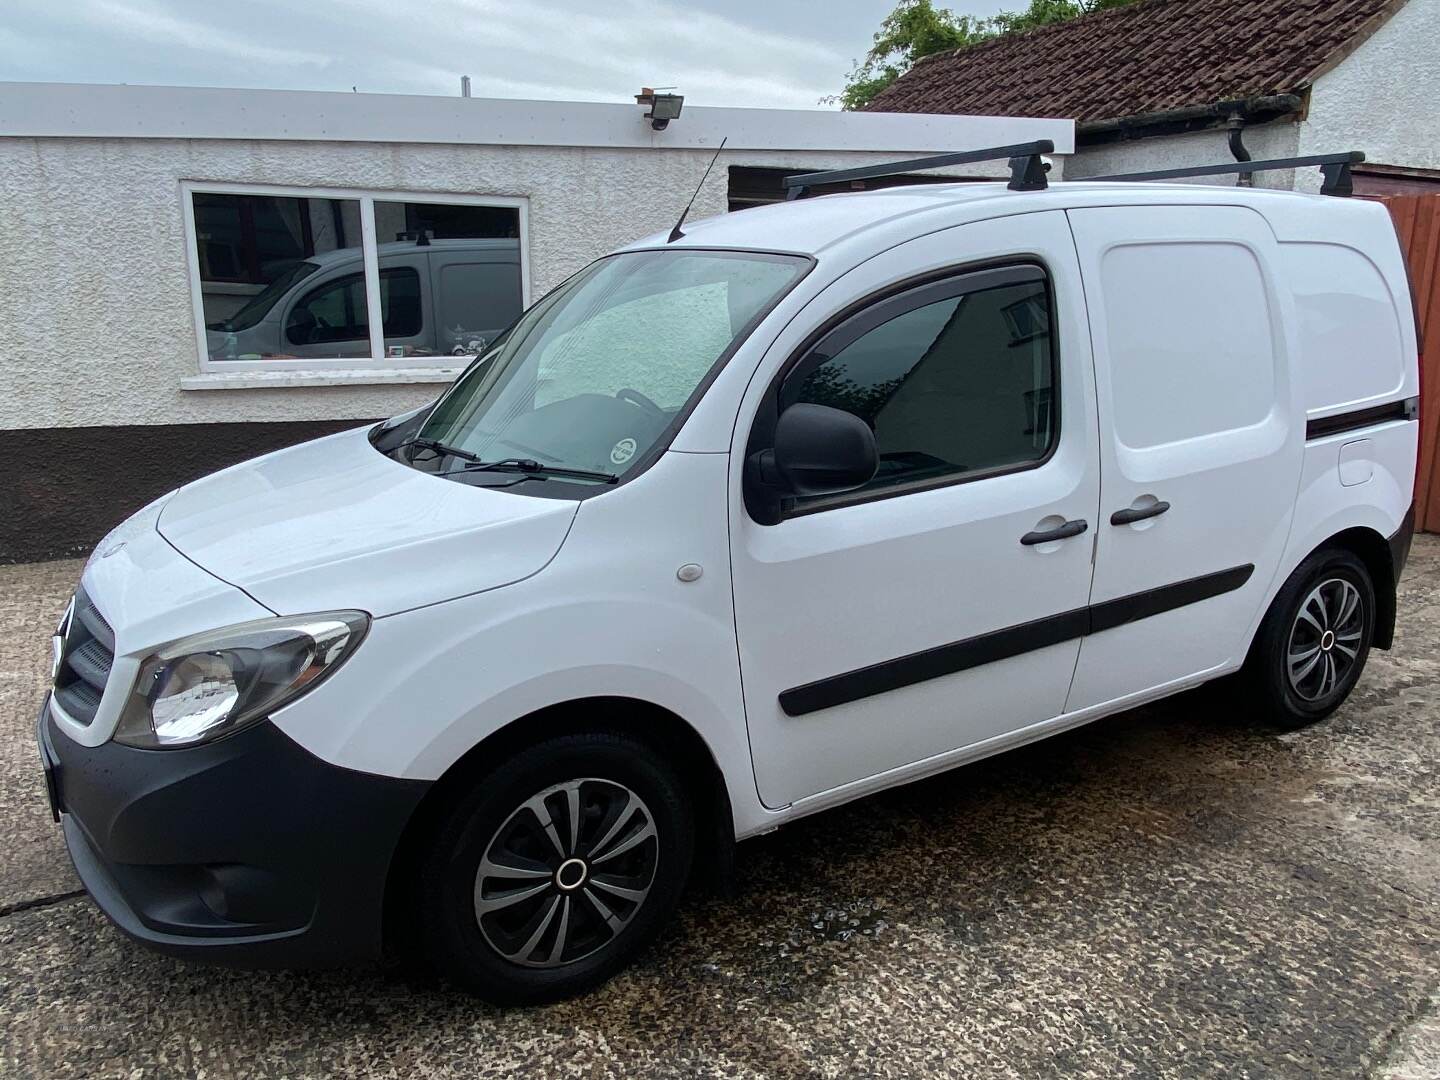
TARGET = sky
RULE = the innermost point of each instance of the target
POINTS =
(775, 53)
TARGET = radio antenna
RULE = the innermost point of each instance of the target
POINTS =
(675, 233)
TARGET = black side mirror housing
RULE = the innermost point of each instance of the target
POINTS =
(301, 326)
(818, 451)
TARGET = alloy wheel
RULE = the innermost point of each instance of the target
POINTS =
(1325, 639)
(566, 872)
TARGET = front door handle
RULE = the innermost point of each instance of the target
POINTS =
(1060, 532)
(1131, 514)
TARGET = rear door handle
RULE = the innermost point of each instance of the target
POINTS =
(1060, 532)
(1131, 515)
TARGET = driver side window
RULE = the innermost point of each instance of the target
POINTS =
(952, 385)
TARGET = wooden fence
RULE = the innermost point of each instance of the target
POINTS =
(1417, 221)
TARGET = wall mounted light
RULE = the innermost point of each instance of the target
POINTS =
(662, 107)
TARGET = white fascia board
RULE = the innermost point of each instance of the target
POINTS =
(80, 110)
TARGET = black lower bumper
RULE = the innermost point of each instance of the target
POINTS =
(247, 851)
(1388, 585)
(1401, 541)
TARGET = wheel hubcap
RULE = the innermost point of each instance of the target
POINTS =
(571, 875)
(566, 872)
(1325, 639)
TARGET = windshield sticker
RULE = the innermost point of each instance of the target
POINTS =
(622, 451)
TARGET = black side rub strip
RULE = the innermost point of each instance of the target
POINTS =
(1406, 409)
(933, 663)
(1003, 644)
(1141, 605)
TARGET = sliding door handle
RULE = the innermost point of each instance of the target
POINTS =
(1131, 515)
(1060, 532)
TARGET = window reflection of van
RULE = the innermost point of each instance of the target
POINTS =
(437, 298)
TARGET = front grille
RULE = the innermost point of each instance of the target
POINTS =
(86, 654)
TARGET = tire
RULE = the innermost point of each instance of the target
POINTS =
(1330, 591)
(499, 888)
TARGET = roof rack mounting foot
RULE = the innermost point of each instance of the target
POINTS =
(1027, 173)
(1338, 180)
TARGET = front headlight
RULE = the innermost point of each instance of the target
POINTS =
(202, 687)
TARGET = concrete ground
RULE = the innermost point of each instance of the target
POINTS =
(1172, 892)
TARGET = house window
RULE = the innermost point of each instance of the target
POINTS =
(308, 278)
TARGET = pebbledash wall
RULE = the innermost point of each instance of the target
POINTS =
(1378, 98)
(103, 404)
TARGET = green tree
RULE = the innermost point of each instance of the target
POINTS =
(1044, 13)
(914, 29)
(833, 386)
(917, 28)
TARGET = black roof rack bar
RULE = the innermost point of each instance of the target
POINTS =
(1335, 167)
(1027, 172)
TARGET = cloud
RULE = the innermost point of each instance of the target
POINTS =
(556, 47)
(569, 49)
(158, 27)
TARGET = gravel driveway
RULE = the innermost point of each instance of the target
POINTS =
(1171, 892)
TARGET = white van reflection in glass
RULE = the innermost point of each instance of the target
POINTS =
(283, 277)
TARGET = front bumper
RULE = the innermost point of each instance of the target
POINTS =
(248, 850)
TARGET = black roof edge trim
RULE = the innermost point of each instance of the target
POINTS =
(1256, 109)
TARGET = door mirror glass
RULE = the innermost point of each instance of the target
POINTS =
(819, 450)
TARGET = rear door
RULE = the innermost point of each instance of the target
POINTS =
(1202, 433)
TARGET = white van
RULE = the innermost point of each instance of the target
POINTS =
(799, 504)
(445, 297)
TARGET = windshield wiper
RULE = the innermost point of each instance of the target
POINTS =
(531, 467)
(422, 443)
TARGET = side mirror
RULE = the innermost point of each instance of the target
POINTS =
(301, 326)
(818, 451)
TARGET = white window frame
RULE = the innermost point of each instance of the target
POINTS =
(377, 361)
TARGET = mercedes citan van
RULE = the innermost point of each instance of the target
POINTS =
(738, 524)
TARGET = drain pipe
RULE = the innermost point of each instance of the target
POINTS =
(1236, 128)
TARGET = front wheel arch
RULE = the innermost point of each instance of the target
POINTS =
(672, 737)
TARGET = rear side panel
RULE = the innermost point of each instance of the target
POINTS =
(1359, 370)
(1355, 322)
(1351, 328)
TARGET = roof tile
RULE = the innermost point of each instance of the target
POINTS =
(1150, 56)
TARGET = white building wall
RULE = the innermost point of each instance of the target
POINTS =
(1381, 98)
(96, 324)
(96, 318)
(1273, 140)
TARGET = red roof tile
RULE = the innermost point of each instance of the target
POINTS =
(1151, 56)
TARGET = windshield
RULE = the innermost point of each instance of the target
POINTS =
(261, 303)
(592, 376)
